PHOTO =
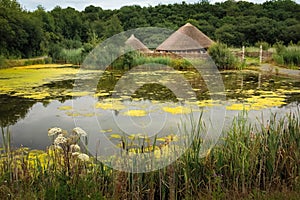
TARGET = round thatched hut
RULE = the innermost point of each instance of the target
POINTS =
(187, 39)
(136, 44)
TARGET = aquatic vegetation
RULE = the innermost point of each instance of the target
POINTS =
(135, 113)
(77, 94)
(33, 77)
(290, 91)
(261, 100)
(207, 103)
(106, 131)
(116, 105)
(65, 108)
(239, 106)
(37, 96)
(103, 94)
(80, 114)
(177, 110)
(37, 78)
(115, 136)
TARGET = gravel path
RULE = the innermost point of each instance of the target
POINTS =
(280, 71)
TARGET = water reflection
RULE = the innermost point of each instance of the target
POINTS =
(13, 109)
(29, 119)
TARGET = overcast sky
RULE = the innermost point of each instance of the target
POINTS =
(105, 4)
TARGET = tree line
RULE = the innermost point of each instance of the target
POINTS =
(26, 34)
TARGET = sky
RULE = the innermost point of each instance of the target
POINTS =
(105, 4)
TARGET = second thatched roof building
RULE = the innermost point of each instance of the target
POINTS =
(136, 44)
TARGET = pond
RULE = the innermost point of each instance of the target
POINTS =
(153, 103)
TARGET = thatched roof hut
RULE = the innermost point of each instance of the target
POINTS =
(187, 39)
(136, 44)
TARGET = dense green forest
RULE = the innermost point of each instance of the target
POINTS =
(26, 34)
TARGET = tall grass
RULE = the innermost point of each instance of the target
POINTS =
(288, 56)
(73, 56)
(249, 161)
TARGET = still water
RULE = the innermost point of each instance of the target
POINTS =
(36, 98)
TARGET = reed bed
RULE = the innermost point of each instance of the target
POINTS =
(73, 56)
(287, 56)
(249, 162)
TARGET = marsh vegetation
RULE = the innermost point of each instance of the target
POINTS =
(248, 160)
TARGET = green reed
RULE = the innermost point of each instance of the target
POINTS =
(73, 56)
(289, 56)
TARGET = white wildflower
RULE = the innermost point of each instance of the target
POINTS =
(54, 131)
(60, 140)
(78, 131)
(83, 157)
(75, 154)
(74, 148)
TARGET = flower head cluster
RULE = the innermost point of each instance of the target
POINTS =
(61, 139)
(54, 131)
(67, 143)
(83, 157)
(75, 148)
(78, 131)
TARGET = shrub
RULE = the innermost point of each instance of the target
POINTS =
(222, 56)
(54, 52)
(133, 59)
(265, 45)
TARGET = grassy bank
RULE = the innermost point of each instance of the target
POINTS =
(8, 63)
(250, 162)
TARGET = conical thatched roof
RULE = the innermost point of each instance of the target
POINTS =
(188, 37)
(136, 44)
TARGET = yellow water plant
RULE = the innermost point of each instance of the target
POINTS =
(177, 110)
(263, 99)
(116, 105)
(135, 113)
(26, 81)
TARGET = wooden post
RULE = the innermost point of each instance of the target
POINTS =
(243, 53)
(260, 54)
(259, 81)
